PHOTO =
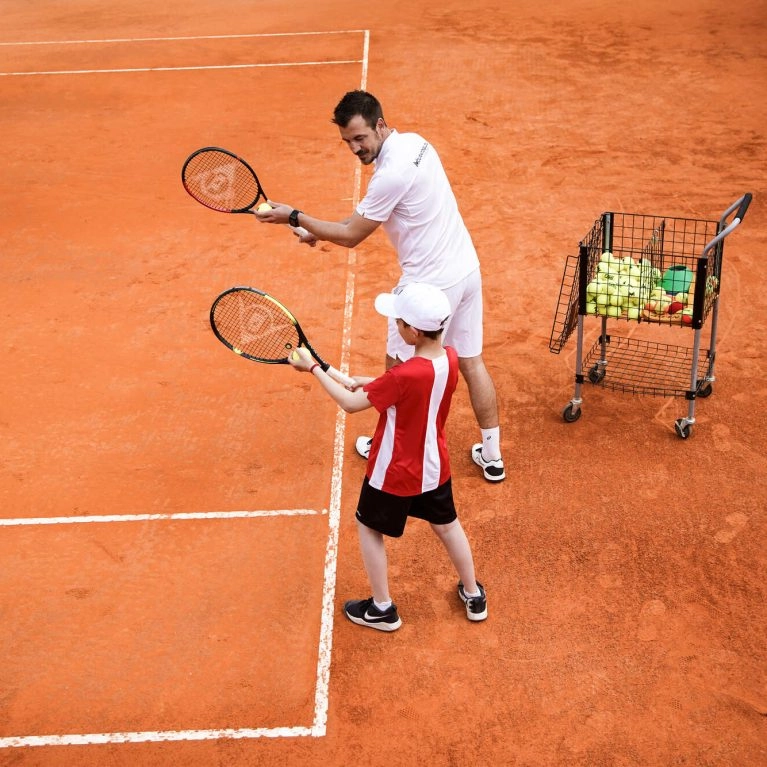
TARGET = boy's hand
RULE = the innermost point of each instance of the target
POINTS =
(301, 360)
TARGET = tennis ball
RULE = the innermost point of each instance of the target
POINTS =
(633, 312)
(264, 207)
(295, 356)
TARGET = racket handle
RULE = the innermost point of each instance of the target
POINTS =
(338, 376)
(299, 230)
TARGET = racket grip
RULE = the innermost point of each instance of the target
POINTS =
(299, 230)
(338, 376)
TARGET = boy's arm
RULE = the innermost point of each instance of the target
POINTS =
(350, 401)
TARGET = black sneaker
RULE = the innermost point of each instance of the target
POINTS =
(476, 607)
(363, 612)
(493, 470)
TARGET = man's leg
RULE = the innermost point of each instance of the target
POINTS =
(481, 391)
(486, 454)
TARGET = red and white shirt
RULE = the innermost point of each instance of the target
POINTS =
(408, 455)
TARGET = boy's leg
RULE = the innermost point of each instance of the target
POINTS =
(458, 549)
(373, 553)
(470, 591)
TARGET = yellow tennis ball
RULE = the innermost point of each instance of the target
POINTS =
(264, 207)
(295, 356)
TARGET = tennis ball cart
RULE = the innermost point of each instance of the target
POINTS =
(655, 271)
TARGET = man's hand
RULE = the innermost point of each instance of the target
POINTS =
(279, 213)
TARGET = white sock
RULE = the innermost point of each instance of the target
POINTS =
(471, 596)
(382, 606)
(491, 443)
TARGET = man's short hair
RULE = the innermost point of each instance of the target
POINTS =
(358, 103)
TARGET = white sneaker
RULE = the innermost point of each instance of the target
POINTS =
(363, 446)
(493, 470)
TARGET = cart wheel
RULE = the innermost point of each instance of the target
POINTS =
(596, 374)
(682, 429)
(705, 390)
(571, 413)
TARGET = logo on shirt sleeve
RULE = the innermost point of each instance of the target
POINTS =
(418, 159)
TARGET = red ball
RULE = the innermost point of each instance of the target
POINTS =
(676, 306)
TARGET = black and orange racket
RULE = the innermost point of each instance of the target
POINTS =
(258, 327)
(222, 181)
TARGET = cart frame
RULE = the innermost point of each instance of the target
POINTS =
(665, 254)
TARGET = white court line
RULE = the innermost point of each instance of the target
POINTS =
(152, 517)
(321, 699)
(322, 694)
(181, 69)
(189, 37)
(156, 736)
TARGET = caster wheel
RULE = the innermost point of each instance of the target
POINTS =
(705, 390)
(682, 429)
(571, 414)
(596, 374)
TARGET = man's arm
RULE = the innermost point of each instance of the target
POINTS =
(348, 233)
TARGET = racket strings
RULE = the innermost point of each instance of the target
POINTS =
(221, 181)
(255, 326)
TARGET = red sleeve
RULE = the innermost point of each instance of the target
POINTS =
(383, 392)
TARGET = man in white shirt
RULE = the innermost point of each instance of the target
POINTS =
(410, 195)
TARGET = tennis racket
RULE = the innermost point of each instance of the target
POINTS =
(222, 181)
(258, 327)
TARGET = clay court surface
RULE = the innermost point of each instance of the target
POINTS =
(178, 531)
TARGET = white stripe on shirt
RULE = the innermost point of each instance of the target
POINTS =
(431, 462)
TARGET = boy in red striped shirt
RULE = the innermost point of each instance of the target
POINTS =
(408, 470)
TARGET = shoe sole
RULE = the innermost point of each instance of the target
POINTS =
(378, 626)
(488, 477)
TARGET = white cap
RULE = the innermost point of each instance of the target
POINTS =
(422, 306)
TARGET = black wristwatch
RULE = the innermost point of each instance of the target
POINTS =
(293, 218)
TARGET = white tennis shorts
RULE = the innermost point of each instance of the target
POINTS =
(464, 328)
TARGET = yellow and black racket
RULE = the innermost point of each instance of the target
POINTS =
(222, 181)
(258, 327)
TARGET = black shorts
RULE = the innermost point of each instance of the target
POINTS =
(388, 513)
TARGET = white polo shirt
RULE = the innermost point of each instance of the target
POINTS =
(410, 194)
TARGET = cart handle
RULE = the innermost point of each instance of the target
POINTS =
(741, 205)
